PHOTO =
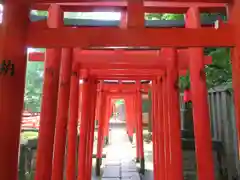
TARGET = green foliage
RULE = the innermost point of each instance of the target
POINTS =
(39, 13)
(33, 88)
(184, 82)
(220, 71)
(120, 101)
(145, 105)
(166, 16)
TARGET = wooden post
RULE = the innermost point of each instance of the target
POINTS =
(49, 102)
(158, 133)
(203, 146)
(150, 112)
(62, 114)
(140, 128)
(107, 119)
(234, 20)
(85, 117)
(135, 104)
(72, 124)
(154, 130)
(129, 118)
(91, 129)
(102, 110)
(160, 127)
(13, 48)
(174, 114)
(166, 132)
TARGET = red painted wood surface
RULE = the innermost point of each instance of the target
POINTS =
(174, 115)
(90, 138)
(85, 118)
(203, 146)
(160, 131)
(49, 103)
(149, 59)
(62, 114)
(234, 14)
(134, 34)
(11, 101)
(155, 129)
(139, 122)
(108, 116)
(76, 1)
(149, 6)
(102, 110)
(72, 123)
(167, 147)
(115, 88)
(86, 37)
(129, 116)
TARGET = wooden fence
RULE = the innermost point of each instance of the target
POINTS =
(223, 127)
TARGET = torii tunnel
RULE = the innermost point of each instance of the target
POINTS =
(141, 52)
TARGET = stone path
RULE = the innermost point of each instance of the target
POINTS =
(119, 164)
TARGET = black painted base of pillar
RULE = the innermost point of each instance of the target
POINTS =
(137, 160)
(98, 166)
(142, 166)
(130, 139)
(106, 140)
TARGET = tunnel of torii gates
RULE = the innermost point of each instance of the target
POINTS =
(17, 33)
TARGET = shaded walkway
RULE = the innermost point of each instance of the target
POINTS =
(119, 163)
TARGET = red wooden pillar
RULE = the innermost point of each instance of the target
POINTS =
(135, 103)
(234, 9)
(62, 114)
(166, 130)
(129, 118)
(12, 87)
(174, 114)
(102, 110)
(154, 130)
(203, 146)
(107, 119)
(140, 128)
(127, 115)
(72, 124)
(49, 102)
(132, 112)
(85, 117)
(160, 129)
(91, 129)
(98, 103)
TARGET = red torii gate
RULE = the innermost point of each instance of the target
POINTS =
(125, 87)
(19, 31)
(97, 73)
(149, 6)
(134, 108)
(146, 59)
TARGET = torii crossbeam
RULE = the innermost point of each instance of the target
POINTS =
(17, 33)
